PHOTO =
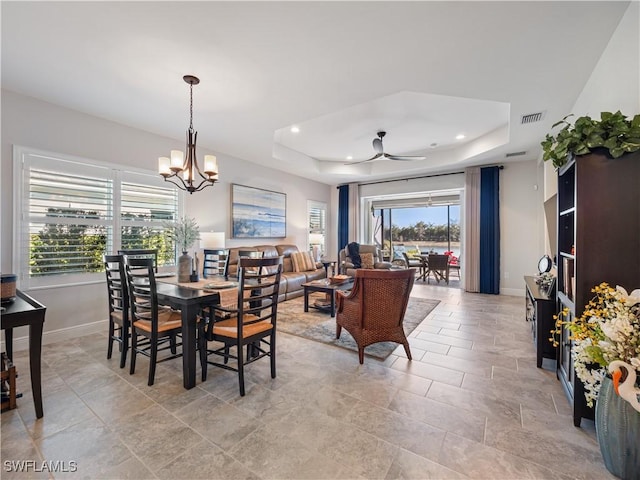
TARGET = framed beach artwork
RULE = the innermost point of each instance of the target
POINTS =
(258, 213)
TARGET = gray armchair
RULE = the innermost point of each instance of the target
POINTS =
(346, 265)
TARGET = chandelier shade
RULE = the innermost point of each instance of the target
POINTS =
(183, 170)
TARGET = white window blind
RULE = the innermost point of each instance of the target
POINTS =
(317, 215)
(69, 212)
(144, 210)
(68, 222)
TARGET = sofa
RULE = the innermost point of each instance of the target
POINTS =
(290, 281)
(346, 265)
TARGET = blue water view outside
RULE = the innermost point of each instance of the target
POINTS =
(433, 222)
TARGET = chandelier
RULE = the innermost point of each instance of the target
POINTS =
(181, 170)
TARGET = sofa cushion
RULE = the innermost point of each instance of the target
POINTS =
(268, 251)
(232, 260)
(366, 260)
(286, 250)
(302, 262)
(294, 281)
(315, 275)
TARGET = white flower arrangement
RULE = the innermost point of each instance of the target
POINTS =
(608, 330)
(184, 232)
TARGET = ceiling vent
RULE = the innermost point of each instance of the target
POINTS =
(531, 118)
(515, 154)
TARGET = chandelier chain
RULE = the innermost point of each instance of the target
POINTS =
(191, 106)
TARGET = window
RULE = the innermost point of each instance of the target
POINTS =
(418, 225)
(72, 211)
(317, 214)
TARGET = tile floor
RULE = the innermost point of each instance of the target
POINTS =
(471, 404)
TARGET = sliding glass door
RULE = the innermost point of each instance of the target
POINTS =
(432, 228)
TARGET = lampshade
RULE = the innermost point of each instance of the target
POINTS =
(212, 239)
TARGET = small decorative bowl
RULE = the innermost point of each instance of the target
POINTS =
(338, 279)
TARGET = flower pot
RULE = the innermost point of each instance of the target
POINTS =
(618, 432)
(184, 267)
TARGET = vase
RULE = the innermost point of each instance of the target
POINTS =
(618, 432)
(184, 267)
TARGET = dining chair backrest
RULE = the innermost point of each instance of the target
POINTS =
(118, 299)
(249, 254)
(215, 262)
(143, 295)
(254, 254)
(142, 253)
(117, 289)
(261, 288)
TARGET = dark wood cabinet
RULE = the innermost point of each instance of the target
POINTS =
(540, 307)
(598, 241)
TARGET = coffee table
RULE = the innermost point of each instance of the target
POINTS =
(327, 287)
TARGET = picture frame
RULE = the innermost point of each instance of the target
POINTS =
(258, 213)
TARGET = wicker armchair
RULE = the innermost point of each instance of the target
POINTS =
(374, 309)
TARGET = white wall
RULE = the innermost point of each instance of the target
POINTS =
(614, 83)
(522, 226)
(33, 123)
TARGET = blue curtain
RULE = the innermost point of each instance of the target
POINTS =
(343, 216)
(489, 230)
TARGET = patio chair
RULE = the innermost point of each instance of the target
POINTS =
(415, 262)
(438, 266)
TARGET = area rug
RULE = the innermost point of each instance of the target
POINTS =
(321, 327)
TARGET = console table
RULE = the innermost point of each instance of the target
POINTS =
(540, 308)
(22, 312)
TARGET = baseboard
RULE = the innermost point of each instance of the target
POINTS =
(22, 343)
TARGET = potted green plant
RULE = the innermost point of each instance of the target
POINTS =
(614, 133)
(184, 232)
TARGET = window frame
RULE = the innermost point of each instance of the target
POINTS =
(322, 229)
(116, 173)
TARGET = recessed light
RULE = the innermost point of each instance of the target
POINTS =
(459, 137)
(295, 129)
(349, 157)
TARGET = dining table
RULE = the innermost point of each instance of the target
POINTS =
(190, 298)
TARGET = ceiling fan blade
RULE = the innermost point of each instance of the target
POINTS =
(375, 157)
(377, 145)
(404, 158)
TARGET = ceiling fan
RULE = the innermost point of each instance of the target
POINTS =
(381, 155)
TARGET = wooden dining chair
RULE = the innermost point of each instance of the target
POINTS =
(118, 298)
(254, 322)
(142, 253)
(215, 262)
(438, 266)
(154, 328)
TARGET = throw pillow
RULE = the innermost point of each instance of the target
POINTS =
(302, 262)
(367, 260)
